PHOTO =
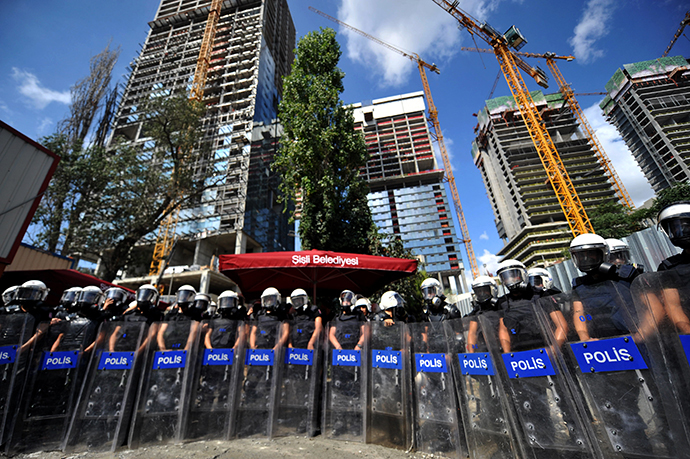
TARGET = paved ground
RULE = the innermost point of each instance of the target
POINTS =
(290, 447)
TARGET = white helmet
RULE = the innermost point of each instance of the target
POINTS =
(431, 288)
(270, 298)
(391, 299)
(674, 220)
(8, 295)
(619, 252)
(484, 288)
(30, 291)
(228, 300)
(589, 251)
(69, 297)
(513, 274)
(299, 299)
(185, 295)
(540, 279)
(147, 296)
(90, 296)
(362, 303)
(201, 303)
(347, 299)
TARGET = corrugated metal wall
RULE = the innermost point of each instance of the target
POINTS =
(30, 259)
(647, 247)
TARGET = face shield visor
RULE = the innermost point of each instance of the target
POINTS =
(429, 292)
(588, 260)
(678, 230)
(269, 301)
(185, 297)
(513, 277)
(227, 302)
(619, 257)
(69, 297)
(482, 293)
(146, 296)
(299, 302)
(90, 297)
(536, 282)
(29, 294)
(346, 299)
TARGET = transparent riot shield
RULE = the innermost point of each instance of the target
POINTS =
(221, 346)
(548, 420)
(633, 409)
(435, 420)
(257, 394)
(297, 411)
(56, 370)
(662, 302)
(15, 348)
(485, 416)
(345, 385)
(389, 417)
(101, 419)
(162, 398)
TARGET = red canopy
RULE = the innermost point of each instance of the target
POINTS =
(57, 280)
(329, 271)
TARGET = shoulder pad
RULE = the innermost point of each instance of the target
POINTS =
(627, 272)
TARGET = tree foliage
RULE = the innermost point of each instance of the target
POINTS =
(321, 153)
(611, 219)
(678, 192)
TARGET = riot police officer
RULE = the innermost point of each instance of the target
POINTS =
(185, 312)
(68, 303)
(184, 298)
(346, 330)
(674, 220)
(31, 296)
(363, 308)
(230, 306)
(146, 304)
(8, 298)
(115, 302)
(392, 311)
(485, 292)
(307, 320)
(266, 322)
(436, 307)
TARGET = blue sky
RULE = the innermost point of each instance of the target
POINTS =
(47, 45)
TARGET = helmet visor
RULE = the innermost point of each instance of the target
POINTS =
(116, 294)
(299, 301)
(483, 293)
(185, 296)
(227, 302)
(346, 298)
(619, 257)
(396, 301)
(588, 260)
(201, 304)
(29, 294)
(512, 277)
(677, 228)
(69, 297)
(146, 295)
(429, 292)
(90, 296)
(536, 282)
(269, 301)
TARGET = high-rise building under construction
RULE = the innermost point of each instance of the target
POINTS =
(251, 51)
(528, 215)
(649, 103)
(407, 194)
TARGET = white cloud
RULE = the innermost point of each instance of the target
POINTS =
(622, 159)
(44, 124)
(40, 96)
(591, 28)
(484, 236)
(489, 263)
(409, 25)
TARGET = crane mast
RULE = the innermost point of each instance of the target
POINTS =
(435, 133)
(165, 239)
(570, 203)
(569, 97)
(683, 23)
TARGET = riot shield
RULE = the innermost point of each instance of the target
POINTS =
(389, 416)
(634, 411)
(485, 415)
(162, 398)
(221, 345)
(345, 388)
(297, 411)
(435, 413)
(56, 370)
(257, 394)
(15, 348)
(662, 302)
(101, 419)
(548, 420)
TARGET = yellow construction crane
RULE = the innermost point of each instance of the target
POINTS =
(683, 23)
(435, 132)
(166, 233)
(569, 97)
(571, 205)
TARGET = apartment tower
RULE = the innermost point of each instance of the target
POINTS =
(407, 194)
(251, 52)
(649, 103)
(527, 213)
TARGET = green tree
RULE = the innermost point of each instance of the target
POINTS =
(321, 153)
(611, 219)
(678, 192)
